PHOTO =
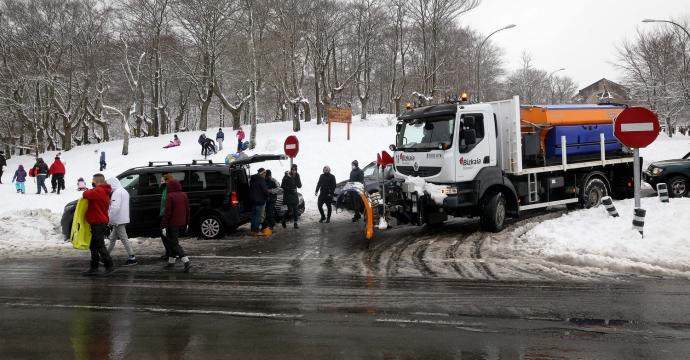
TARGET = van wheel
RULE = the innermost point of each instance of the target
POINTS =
(210, 227)
(678, 186)
(494, 213)
(594, 191)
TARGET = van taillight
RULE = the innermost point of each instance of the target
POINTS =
(233, 199)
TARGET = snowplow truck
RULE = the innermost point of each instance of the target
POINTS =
(495, 160)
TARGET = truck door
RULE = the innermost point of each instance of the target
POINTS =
(476, 144)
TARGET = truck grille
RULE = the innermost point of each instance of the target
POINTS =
(424, 171)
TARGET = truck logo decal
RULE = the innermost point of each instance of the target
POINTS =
(404, 157)
(468, 162)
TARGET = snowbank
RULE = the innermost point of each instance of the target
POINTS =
(29, 231)
(591, 239)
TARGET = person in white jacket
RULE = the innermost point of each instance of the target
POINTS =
(119, 218)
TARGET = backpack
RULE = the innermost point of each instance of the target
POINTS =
(33, 172)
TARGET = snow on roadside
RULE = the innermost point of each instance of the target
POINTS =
(590, 239)
(30, 231)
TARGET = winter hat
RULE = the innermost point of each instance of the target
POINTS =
(293, 167)
(355, 163)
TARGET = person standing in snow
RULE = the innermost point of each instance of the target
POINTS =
(41, 171)
(356, 175)
(57, 175)
(175, 218)
(119, 218)
(97, 217)
(3, 163)
(240, 138)
(20, 177)
(102, 161)
(327, 186)
(258, 194)
(220, 137)
(291, 182)
(270, 211)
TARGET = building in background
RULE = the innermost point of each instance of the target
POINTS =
(604, 91)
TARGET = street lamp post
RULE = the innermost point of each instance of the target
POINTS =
(479, 51)
(551, 82)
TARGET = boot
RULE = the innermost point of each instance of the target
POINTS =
(109, 270)
(91, 272)
(328, 220)
(323, 218)
(187, 266)
(296, 226)
(283, 223)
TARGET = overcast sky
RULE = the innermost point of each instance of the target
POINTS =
(579, 35)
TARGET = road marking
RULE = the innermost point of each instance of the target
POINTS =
(637, 127)
(280, 316)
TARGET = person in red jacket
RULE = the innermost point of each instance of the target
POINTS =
(57, 175)
(175, 218)
(97, 217)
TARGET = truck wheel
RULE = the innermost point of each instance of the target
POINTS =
(678, 186)
(594, 191)
(494, 213)
(210, 227)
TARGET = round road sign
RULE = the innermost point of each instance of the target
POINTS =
(636, 127)
(291, 146)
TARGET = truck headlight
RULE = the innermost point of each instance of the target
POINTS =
(449, 190)
(656, 171)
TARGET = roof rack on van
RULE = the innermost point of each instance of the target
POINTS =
(257, 158)
(151, 163)
(194, 162)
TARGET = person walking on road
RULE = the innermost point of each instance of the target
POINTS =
(20, 178)
(102, 162)
(97, 217)
(3, 163)
(327, 186)
(175, 218)
(119, 218)
(57, 175)
(164, 197)
(240, 138)
(220, 137)
(291, 182)
(356, 176)
(273, 188)
(258, 194)
(41, 171)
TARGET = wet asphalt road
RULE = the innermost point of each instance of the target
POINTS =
(322, 292)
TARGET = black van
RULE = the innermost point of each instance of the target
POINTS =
(218, 196)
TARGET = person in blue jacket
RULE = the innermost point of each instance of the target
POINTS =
(220, 137)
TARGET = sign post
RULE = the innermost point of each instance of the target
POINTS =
(339, 115)
(636, 127)
(291, 147)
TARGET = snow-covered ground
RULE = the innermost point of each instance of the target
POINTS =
(587, 240)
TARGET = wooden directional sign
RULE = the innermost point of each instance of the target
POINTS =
(339, 115)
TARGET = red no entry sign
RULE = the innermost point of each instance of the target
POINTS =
(636, 127)
(291, 146)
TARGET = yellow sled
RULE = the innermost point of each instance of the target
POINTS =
(80, 235)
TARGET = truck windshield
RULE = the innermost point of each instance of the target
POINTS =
(426, 133)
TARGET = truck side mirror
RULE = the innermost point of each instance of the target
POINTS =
(470, 137)
(398, 127)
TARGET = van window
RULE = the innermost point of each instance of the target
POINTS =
(203, 180)
(150, 184)
(130, 183)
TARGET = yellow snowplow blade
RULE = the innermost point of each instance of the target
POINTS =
(369, 231)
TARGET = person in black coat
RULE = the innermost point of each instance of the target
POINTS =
(258, 194)
(327, 186)
(291, 182)
(356, 175)
(273, 188)
(41, 171)
(3, 163)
